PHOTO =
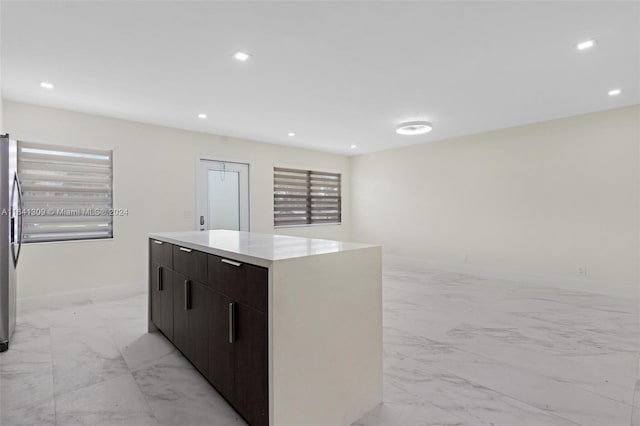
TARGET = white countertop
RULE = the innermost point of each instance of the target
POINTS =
(261, 249)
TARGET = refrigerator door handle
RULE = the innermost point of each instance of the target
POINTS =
(20, 213)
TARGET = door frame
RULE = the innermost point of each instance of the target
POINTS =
(199, 187)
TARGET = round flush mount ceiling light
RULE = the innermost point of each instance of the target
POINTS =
(414, 128)
(46, 85)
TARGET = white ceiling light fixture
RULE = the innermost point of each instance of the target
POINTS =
(202, 116)
(615, 92)
(46, 85)
(241, 56)
(414, 128)
(587, 44)
(354, 146)
(291, 134)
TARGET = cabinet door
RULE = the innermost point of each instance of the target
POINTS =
(220, 349)
(198, 323)
(161, 298)
(166, 300)
(156, 295)
(250, 365)
(180, 317)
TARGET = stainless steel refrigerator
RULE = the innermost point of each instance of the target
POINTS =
(11, 216)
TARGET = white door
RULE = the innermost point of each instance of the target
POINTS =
(223, 195)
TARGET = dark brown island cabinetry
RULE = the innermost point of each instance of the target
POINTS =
(214, 310)
(161, 286)
(243, 291)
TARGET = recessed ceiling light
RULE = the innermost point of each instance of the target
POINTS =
(414, 128)
(46, 85)
(354, 146)
(291, 134)
(202, 116)
(241, 56)
(587, 44)
(615, 92)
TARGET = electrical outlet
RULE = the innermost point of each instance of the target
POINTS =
(582, 271)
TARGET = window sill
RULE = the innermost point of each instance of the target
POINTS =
(307, 225)
(85, 240)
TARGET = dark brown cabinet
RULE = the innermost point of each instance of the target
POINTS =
(191, 263)
(161, 253)
(198, 334)
(241, 290)
(221, 362)
(250, 357)
(160, 286)
(244, 283)
(180, 313)
(155, 293)
(214, 310)
(192, 307)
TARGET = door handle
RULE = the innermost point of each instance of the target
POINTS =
(158, 242)
(231, 262)
(231, 323)
(17, 189)
(187, 298)
(201, 220)
(159, 278)
(185, 249)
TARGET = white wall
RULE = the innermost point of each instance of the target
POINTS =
(154, 178)
(542, 199)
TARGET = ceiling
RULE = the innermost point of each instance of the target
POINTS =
(335, 73)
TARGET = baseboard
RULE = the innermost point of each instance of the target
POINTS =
(620, 290)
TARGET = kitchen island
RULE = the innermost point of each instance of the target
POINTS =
(287, 329)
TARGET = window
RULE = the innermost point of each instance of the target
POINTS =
(305, 197)
(67, 192)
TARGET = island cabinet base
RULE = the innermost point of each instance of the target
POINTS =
(195, 303)
(326, 338)
(287, 329)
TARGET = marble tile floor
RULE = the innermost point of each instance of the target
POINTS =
(458, 350)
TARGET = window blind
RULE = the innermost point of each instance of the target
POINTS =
(67, 192)
(305, 197)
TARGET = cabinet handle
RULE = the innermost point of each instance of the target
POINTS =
(185, 249)
(187, 298)
(158, 242)
(159, 278)
(231, 262)
(231, 323)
